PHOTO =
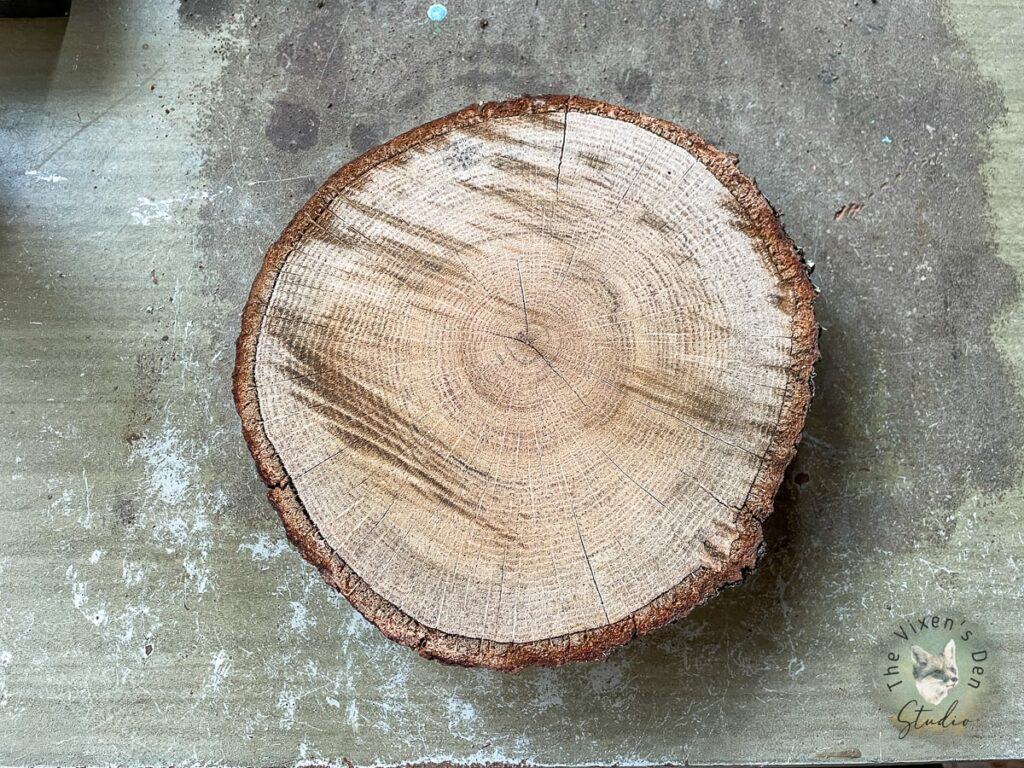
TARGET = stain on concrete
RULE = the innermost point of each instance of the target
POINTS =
(125, 512)
(634, 86)
(915, 408)
(292, 127)
(365, 135)
(203, 15)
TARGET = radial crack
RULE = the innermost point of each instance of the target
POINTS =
(522, 293)
(590, 567)
(561, 152)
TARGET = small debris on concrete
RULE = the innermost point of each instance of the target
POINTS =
(850, 753)
(848, 211)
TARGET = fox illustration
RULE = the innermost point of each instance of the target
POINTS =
(935, 675)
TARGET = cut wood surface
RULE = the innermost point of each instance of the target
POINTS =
(523, 382)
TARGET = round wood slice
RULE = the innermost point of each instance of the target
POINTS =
(523, 381)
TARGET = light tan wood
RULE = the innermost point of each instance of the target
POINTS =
(523, 374)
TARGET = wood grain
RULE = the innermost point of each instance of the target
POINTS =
(524, 381)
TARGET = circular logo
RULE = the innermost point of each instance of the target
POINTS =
(932, 675)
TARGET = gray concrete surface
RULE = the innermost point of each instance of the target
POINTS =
(151, 611)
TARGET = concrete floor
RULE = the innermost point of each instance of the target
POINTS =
(151, 611)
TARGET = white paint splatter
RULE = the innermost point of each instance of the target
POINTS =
(547, 692)
(79, 589)
(5, 661)
(80, 598)
(169, 470)
(197, 570)
(301, 620)
(220, 670)
(86, 520)
(462, 718)
(605, 678)
(172, 464)
(352, 715)
(149, 210)
(132, 574)
(176, 531)
(286, 701)
(48, 178)
(264, 548)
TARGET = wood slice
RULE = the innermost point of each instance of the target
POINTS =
(523, 381)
